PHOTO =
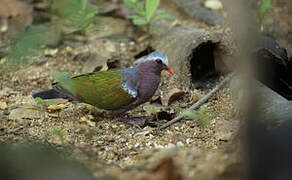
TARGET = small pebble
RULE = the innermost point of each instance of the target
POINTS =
(132, 43)
(69, 49)
(51, 52)
(180, 144)
(3, 105)
(56, 107)
(188, 140)
(100, 142)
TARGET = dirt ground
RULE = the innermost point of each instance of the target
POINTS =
(110, 147)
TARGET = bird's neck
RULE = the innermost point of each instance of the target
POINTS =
(150, 68)
(149, 76)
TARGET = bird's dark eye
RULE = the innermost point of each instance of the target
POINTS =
(158, 61)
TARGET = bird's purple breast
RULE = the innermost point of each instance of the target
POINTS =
(149, 77)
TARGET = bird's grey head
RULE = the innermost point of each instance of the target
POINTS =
(156, 56)
(161, 60)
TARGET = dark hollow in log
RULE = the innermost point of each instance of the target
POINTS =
(195, 55)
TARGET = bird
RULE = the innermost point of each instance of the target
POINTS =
(115, 90)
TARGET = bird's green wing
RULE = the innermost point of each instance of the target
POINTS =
(102, 89)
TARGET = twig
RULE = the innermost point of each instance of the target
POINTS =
(285, 82)
(200, 102)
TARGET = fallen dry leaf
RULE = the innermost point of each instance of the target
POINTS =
(11, 8)
(113, 63)
(3, 105)
(56, 107)
(42, 5)
(18, 14)
(87, 120)
(173, 95)
(196, 96)
(25, 112)
(51, 52)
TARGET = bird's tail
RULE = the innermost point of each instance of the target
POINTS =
(50, 94)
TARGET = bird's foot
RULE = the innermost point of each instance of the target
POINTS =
(137, 122)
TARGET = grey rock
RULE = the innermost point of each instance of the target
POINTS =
(267, 96)
(195, 10)
(93, 61)
(182, 46)
(280, 112)
(25, 112)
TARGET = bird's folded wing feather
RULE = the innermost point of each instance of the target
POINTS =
(105, 90)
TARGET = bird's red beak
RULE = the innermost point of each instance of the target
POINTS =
(170, 71)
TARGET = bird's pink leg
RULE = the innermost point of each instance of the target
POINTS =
(128, 120)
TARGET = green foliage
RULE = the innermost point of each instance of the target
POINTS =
(145, 13)
(58, 132)
(151, 6)
(137, 6)
(202, 116)
(26, 43)
(43, 103)
(64, 80)
(265, 8)
(190, 114)
(92, 131)
(151, 109)
(74, 13)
